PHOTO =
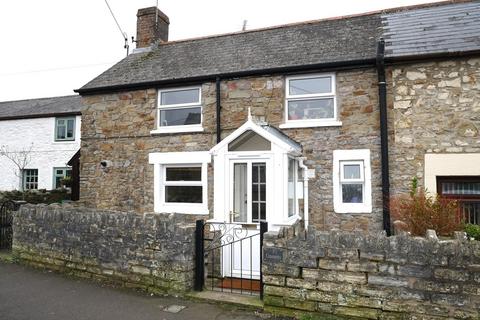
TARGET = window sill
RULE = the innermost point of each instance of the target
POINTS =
(310, 124)
(177, 129)
(353, 209)
(185, 209)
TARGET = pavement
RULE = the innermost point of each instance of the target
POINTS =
(30, 294)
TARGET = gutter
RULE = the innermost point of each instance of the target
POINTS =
(46, 115)
(338, 65)
(382, 100)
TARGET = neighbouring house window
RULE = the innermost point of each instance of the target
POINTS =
(60, 174)
(179, 110)
(310, 100)
(30, 179)
(352, 189)
(180, 182)
(465, 189)
(65, 129)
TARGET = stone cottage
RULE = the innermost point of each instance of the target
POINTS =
(288, 123)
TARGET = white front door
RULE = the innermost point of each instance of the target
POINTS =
(249, 195)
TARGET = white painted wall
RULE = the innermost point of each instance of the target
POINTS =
(47, 153)
(449, 164)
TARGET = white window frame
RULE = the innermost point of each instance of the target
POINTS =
(311, 122)
(56, 139)
(180, 128)
(163, 160)
(345, 157)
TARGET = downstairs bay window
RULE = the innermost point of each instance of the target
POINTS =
(180, 182)
(352, 187)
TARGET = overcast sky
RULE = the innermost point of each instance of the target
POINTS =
(51, 47)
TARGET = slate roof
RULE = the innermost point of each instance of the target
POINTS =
(318, 42)
(37, 108)
(451, 28)
(444, 27)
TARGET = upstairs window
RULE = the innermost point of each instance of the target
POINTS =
(65, 129)
(179, 110)
(310, 101)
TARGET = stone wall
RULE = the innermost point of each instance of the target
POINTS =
(117, 127)
(371, 276)
(153, 252)
(436, 109)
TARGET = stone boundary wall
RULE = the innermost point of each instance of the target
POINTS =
(154, 252)
(371, 276)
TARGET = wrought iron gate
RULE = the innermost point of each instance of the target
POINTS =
(230, 257)
(6, 218)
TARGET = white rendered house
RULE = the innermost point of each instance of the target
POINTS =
(48, 131)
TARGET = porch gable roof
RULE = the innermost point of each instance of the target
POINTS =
(268, 132)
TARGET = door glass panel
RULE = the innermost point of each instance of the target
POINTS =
(259, 196)
(240, 192)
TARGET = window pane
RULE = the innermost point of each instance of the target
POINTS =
(461, 188)
(183, 194)
(180, 117)
(310, 86)
(352, 193)
(311, 109)
(351, 171)
(61, 132)
(180, 97)
(70, 128)
(184, 174)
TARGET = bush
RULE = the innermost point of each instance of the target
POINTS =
(473, 231)
(417, 212)
(36, 196)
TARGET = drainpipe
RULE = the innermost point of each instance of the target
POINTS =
(305, 190)
(382, 99)
(219, 107)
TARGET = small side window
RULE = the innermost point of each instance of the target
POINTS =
(65, 129)
(352, 186)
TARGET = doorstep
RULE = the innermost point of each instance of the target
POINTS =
(230, 298)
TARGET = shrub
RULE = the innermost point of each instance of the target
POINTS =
(417, 212)
(473, 231)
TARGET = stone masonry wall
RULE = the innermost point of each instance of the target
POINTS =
(117, 127)
(351, 274)
(436, 109)
(154, 252)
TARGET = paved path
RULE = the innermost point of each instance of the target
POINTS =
(28, 294)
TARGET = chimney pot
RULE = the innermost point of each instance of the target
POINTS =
(152, 27)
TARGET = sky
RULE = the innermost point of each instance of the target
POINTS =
(51, 47)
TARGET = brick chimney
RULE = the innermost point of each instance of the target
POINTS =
(152, 26)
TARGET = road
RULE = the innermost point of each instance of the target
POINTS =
(29, 294)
